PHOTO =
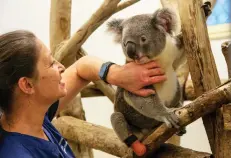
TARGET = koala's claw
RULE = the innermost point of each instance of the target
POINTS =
(171, 120)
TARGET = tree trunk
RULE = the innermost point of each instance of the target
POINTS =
(201, 63)
(60, 24)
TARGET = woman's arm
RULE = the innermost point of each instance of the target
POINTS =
(131, 77)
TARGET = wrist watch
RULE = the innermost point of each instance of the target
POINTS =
(104, 70)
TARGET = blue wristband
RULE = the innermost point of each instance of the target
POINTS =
(104, 70)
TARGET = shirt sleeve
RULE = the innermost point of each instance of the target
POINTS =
(52, 110)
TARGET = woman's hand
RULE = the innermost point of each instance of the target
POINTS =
(134, 77)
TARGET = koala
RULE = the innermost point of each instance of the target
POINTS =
(144, 38)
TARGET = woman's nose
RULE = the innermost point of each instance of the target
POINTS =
(61, 68)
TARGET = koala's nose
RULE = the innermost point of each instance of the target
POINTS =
(131, 50)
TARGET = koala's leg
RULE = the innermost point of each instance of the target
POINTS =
(125, 134)
(120, 126)
(152, 107)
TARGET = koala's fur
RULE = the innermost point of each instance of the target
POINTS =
(143, 38)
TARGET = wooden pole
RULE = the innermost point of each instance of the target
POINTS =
(226, 117)
(201, 62)
(60, 24)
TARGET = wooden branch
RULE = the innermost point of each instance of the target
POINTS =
(200, 58)
(226, 51)
(105, 139)
(226, 121)
(204, 104)
(125, 4)
(91, 91)
(93, 136)
(60, 22)
(67, 53)
(172, 151)
(107, 90)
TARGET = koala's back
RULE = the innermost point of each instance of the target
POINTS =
(132, 116)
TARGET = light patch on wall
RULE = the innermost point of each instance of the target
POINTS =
(219, 22)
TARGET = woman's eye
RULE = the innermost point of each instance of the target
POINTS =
(53, 62)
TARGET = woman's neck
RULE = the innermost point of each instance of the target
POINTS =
(26, 119)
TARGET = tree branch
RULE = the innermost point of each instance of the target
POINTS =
(67, 52)
(125, 4)
(199, 57)
(203, 105)
(104, 139)
(60, 24)
(226, 51)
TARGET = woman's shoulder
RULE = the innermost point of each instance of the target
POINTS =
(10, 148)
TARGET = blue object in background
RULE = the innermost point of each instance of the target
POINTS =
(221, 13)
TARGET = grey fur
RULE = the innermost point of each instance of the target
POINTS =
(145, 35)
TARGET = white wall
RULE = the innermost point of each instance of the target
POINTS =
(34, 15)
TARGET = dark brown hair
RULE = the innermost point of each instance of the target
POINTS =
(18, 58)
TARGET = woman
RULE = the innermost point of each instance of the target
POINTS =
(34, 87)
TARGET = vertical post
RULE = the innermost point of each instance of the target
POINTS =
(226, 121)
(60, 28)
(202, 66)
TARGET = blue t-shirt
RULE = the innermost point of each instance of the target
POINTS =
(16, 145)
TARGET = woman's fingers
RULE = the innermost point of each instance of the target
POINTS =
(144, 92)
(156, 79)
(155, 72)
(151, 65)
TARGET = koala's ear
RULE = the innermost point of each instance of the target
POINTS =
(114, 26)
(165, 20)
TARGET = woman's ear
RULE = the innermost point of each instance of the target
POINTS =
(26, 85)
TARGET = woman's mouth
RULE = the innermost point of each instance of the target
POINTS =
(62, 84)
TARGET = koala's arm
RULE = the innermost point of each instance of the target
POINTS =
(152, 107)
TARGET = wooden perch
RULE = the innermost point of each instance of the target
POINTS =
(226, 50)
(172, 151)
(200, 58)
(204, 104)
(60, 23)
(226, 146)
(67, 53)
(104, 139)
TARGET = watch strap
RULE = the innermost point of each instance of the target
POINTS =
(104, 70)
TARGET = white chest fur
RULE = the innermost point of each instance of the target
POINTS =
(167, 89)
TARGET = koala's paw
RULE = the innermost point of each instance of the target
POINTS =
(171, 119)
(181, 132)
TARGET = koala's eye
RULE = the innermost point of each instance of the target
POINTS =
(143, 38)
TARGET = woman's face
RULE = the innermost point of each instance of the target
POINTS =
(49, 84)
